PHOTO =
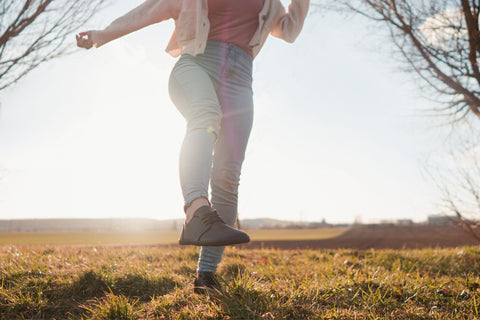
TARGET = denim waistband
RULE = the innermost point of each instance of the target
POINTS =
(226, 53)
(214, 46)
(222, 59)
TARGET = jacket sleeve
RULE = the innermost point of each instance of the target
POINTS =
(289, 24)
(149, 12)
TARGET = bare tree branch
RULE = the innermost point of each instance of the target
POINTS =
(458, 182)
(35, 31)
(438, 39)
(439, 42)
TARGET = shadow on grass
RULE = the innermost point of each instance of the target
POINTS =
(66, 300)
(241, 302)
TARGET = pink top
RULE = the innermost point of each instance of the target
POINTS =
(234, 21)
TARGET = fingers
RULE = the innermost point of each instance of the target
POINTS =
(84, 40)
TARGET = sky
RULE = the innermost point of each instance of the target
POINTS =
(340, 132)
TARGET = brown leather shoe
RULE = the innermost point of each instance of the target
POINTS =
(206, 228)
(206, 282)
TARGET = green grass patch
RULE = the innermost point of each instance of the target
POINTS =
(149, 237)
(102, 282)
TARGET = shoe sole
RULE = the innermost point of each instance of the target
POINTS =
(211, 244)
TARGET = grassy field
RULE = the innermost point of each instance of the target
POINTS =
(158, 237)
(144, 282)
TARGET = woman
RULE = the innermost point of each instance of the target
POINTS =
(211, 85)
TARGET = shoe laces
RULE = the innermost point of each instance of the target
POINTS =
(211, 218)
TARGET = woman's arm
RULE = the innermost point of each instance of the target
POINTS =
(149, 12)
(290, 24)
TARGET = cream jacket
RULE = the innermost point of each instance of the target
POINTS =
(192, 25)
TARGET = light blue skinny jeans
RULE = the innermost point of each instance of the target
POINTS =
(213, 91)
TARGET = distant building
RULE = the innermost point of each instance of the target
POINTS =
(319, 225)
(404, 222)
(387, 222)
(441, 220)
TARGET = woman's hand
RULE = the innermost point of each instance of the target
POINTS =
(89, 39)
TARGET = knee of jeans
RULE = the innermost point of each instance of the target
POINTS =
(209, 122)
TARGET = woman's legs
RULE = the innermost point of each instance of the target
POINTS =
(213, 92)
(193, 92)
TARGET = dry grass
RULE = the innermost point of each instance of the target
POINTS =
(156, 283)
